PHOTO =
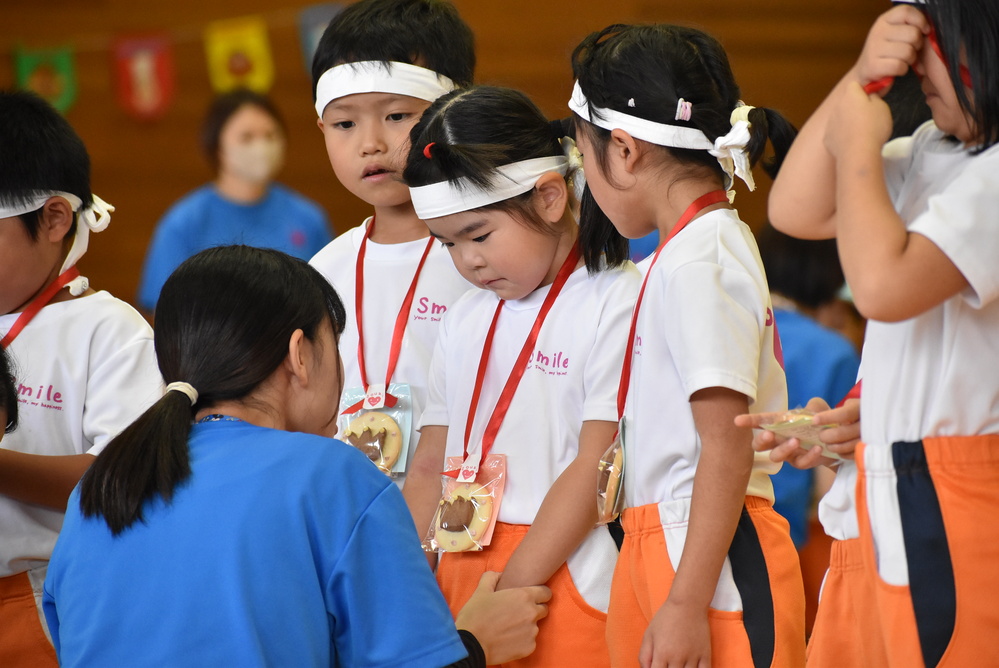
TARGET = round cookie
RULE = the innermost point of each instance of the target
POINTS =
(378, 436)
(463, 517)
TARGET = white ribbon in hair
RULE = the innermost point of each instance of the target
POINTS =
(94, 218)
(448, 197)
(184, 388)
(375, 76)
(729, 149)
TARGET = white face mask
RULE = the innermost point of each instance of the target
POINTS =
(256, 161)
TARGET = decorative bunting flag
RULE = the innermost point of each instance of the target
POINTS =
(239, 54)
(48, 72)
(145, 75)
(312, 23)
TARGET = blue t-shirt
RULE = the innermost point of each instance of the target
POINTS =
(282, 219)
(818, 362)
(282, 549)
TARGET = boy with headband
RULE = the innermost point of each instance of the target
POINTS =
(84, 360)
(378, 66)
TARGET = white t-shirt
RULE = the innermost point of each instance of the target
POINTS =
(936, 374)
(572, 377)
(706, 321)
(85, 369)
(388, 272)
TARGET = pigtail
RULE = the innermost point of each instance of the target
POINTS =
(769, 124)
(150, 457)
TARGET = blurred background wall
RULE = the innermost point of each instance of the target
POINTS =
(786, 54)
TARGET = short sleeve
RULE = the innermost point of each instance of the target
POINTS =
(716, 319)
(436, 413)
(897, 156)
(602, 374)
(385, 606)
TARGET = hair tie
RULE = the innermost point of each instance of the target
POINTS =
(683, 109)
(426, 150)
(184, 388)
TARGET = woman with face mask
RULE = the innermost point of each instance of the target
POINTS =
(243, 137)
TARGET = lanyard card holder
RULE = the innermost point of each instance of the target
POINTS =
(610, 480)
(467, 512)
(380, 433)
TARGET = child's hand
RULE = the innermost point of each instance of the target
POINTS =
(841, 439)
(676, 637)
(892, 45)
(858, 120)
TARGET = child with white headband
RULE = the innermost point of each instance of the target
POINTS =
(524, 376)
(378, 66)
(83, 360)
(708, 573)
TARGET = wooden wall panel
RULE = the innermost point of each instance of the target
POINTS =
(785, 53)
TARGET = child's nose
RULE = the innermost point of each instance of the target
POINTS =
(372, 141)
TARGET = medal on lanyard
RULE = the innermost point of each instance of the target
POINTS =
(473, 484)
(38, 303)
(610, 468)
(376, 418)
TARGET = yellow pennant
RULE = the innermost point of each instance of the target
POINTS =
(239, 54)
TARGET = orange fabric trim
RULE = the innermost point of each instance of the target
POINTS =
(22, 641)
(644, 575)
(573, 633)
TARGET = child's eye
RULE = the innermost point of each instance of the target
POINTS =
(343, 125)
(479, 240)
(400, 116)
(447, 244)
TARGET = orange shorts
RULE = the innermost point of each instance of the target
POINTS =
(573, 633)
(948, 499)
(23, 643)
(847, 628)
(770, 629)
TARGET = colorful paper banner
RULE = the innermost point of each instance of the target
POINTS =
(49, 73)
(145, 75)
(239, 54)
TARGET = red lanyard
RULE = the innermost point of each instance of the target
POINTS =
(38, 303)
(400, 321)
(519, 367)
(698, 205)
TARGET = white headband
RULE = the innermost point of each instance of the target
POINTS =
(447, 197)
(94, 218)
(375, 76)
(730, 149)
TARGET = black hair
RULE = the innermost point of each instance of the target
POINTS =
(428, 33)
(477, 130)
(644, 70)
(223, 322)
(805, 271)
(973, 24)
(8, 391)
(224, 107)
(907, 103)
(39, 151)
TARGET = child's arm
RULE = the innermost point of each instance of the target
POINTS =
(566, 516)
(894, 274)
(803, 198)
(422, 489)
(679, 633)
(44, 480)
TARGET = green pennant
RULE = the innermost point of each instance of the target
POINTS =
(48, 72)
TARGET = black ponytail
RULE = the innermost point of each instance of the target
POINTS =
(223, 322)
(468, 134)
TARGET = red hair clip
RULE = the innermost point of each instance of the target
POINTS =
(426, 150)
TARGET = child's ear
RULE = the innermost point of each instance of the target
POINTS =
(553, 196)
(56, 219)
(624, 147)
(297, 361)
